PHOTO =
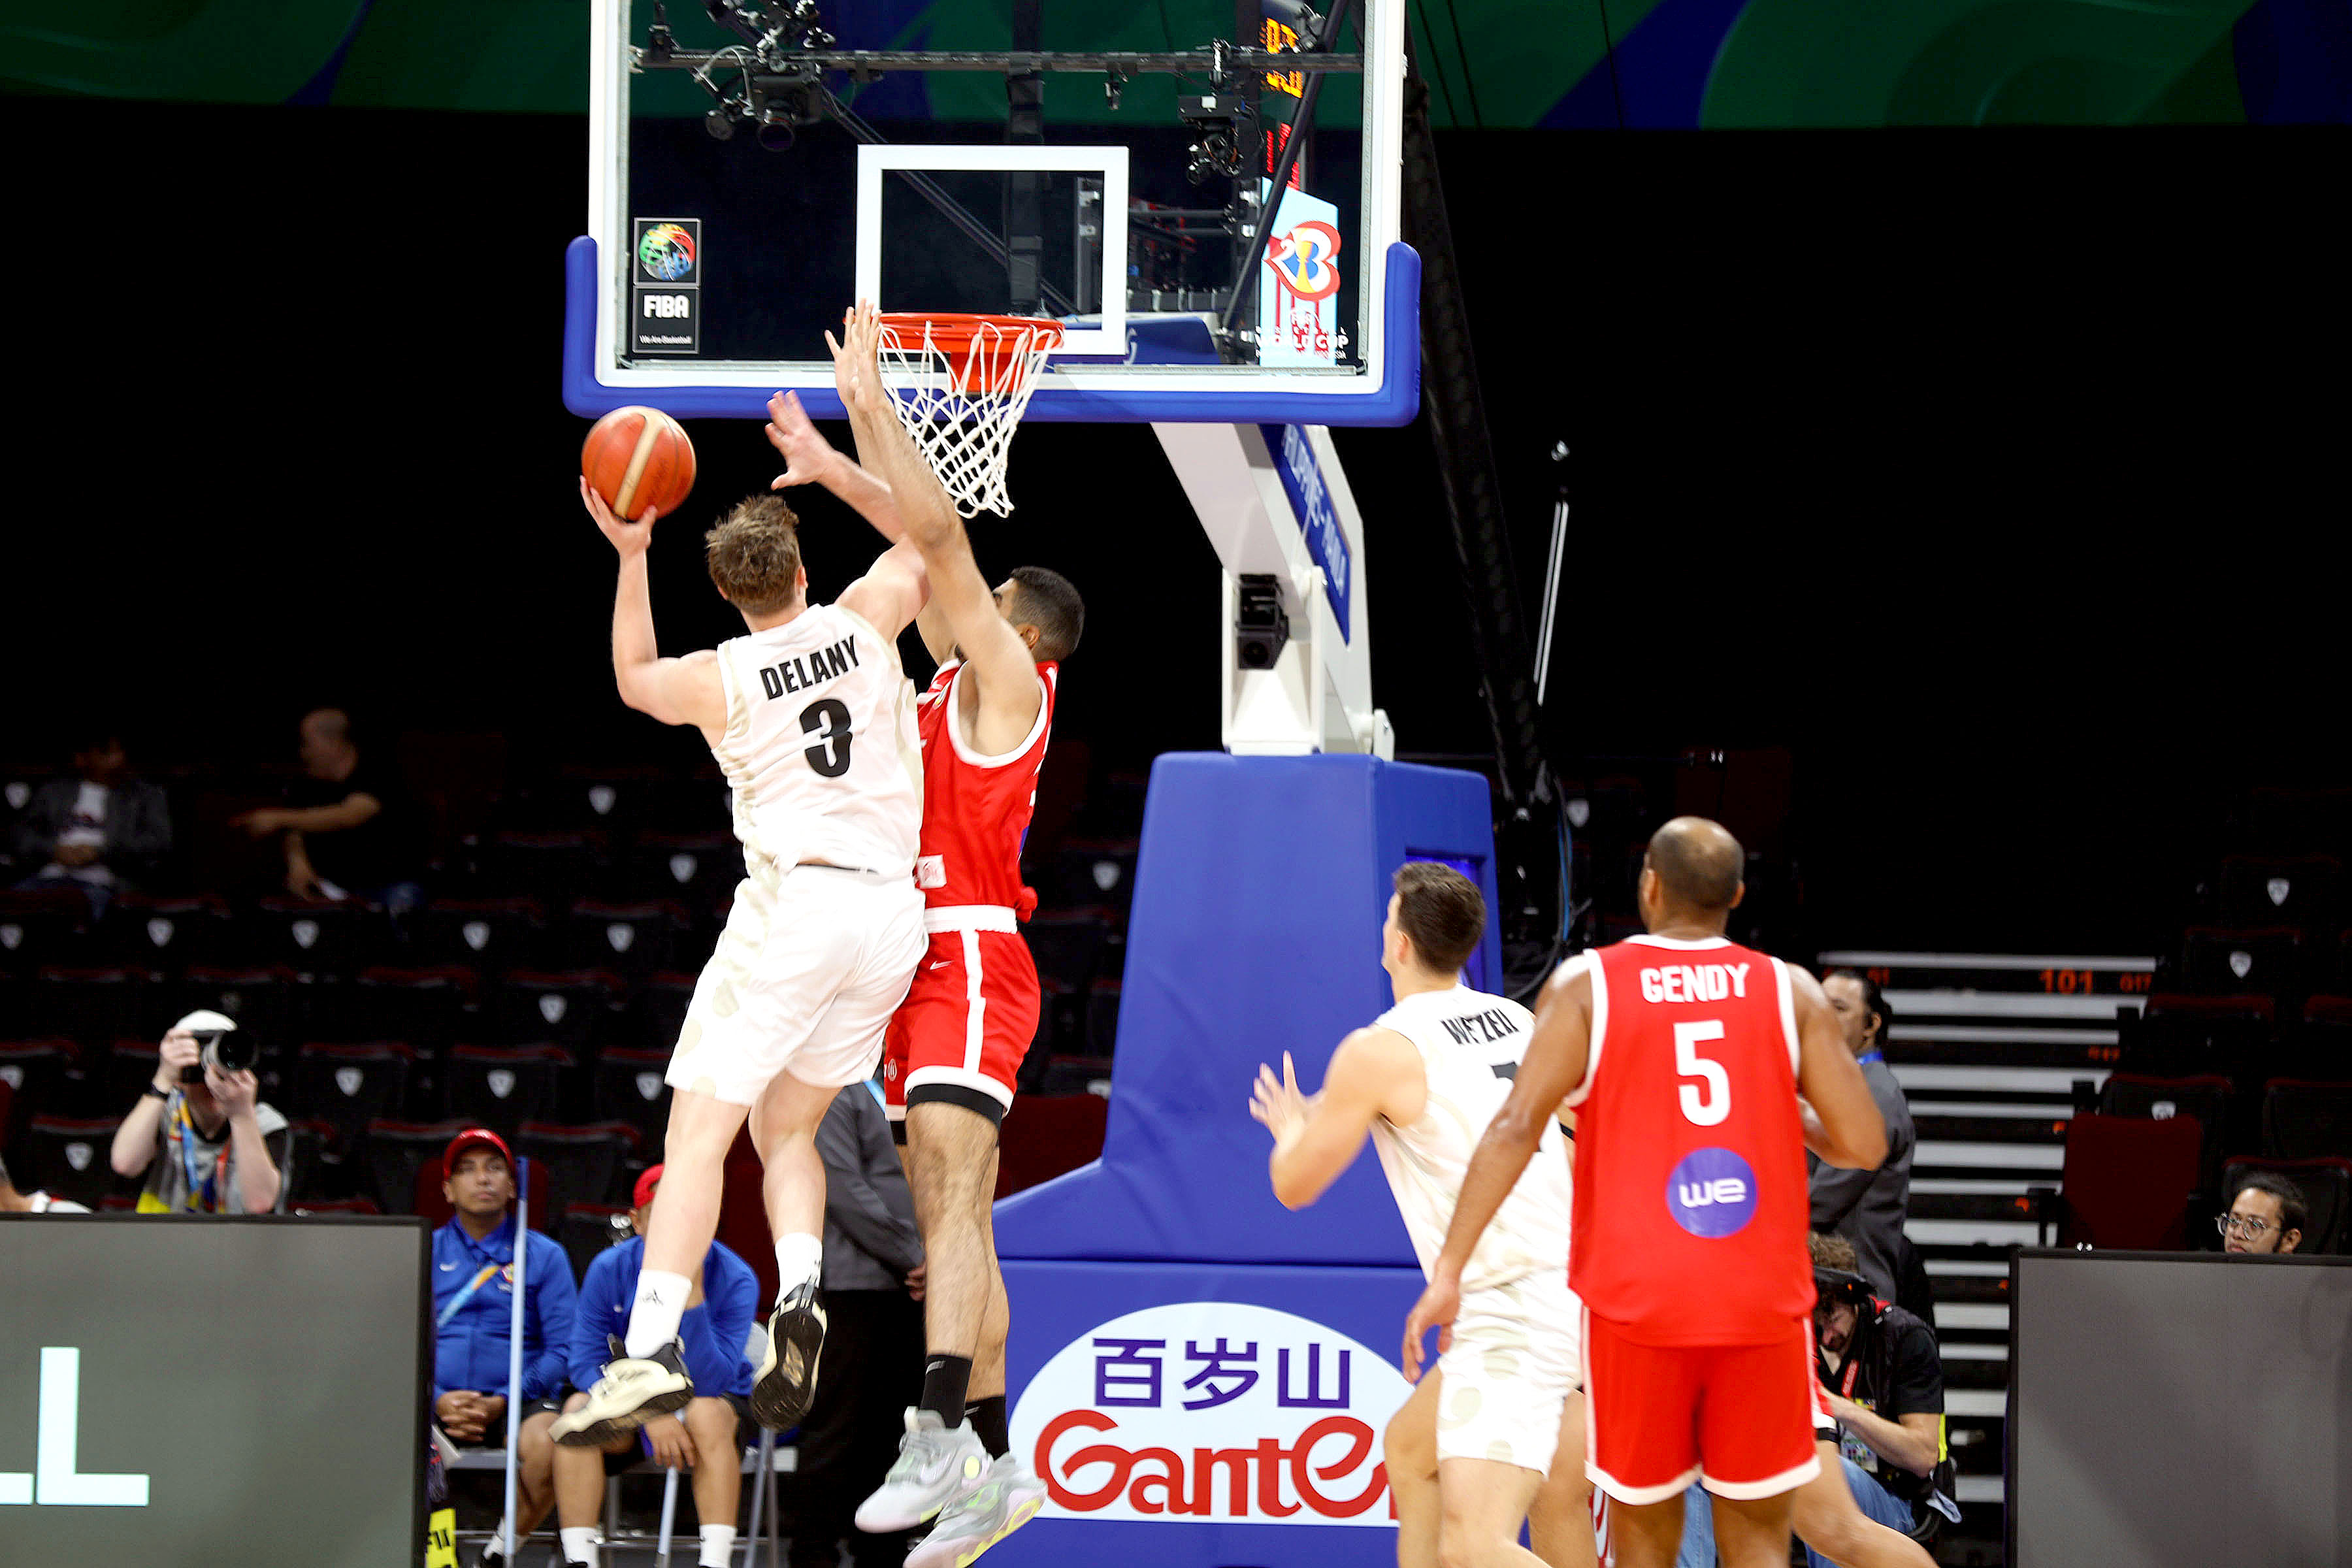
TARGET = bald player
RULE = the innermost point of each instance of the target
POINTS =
(1684, 1056)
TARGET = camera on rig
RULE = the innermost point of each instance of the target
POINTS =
(1221, 123)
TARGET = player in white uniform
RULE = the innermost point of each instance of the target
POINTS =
(814, 721)
(1499, 1435)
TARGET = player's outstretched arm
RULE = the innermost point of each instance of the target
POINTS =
(1845, 1127)
(810, 458)
(1551, 1071)
(1011, 692)
(1375, 1072)
(674, 690)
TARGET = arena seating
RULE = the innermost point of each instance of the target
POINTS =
(163, 936)
(2204, 1098)
(2304, 1119)
(502, 1087)
(349, 1086)
(41, 928)
(495, 934)
(2127, 1182)
(69, 1155)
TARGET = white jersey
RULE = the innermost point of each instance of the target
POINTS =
(820, 746)
(1470, 1044)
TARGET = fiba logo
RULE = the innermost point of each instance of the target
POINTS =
(1712, 1192)
(666, 251)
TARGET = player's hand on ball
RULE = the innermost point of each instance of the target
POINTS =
(628, 538)
(1276, 1104)
(790, 432)
(1439, 1305)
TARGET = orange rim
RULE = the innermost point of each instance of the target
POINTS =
(996, 340)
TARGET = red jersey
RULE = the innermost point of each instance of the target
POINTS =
(976, 808)
(1691, 1205)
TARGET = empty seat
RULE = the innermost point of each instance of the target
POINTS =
(568, 1009)
(424, 1008)
(397, 1151)
(2325, 1184)
(309, 938)
(1096, 871)
(349, 1086)
(313, 1175)
(587, 1229)
(70, 1157)
(164, 936)
(2298, 890)
(584, 1162)
(2267, 959)
(658, 1012)
(1068, 943)
(262, 1000)
(2177, 1035)
(552, 868)
(579, 798)
(131, 1066)
(42, 927)
(505, 1086)
(1102, 1018)
(628, 939)
(2324, 1040)
(697, 869)
(2203, 1098)
(2304, 1118)
(493, 934)
(1048, 1135)
(90, 1007)
(32, 1072)
(2127, 1182)
(626, 1085)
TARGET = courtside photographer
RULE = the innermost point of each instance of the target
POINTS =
(1883, 1382)
(224, 1150)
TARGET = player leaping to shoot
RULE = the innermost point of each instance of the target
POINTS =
(958, 1040)
(812, 720)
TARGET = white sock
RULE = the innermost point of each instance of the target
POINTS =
(580, 1544)
(718, 1545)
(652, 1318)
(800, 1258)
(498, 1541)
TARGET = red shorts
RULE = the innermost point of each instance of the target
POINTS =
(965, 1026)
(1737, 1418)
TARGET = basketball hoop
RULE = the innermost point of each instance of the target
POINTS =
(961, 383)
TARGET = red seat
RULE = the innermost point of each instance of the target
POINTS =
(2204, 1099)
(1047, 1136)
(2127, 1182)
(2306, 1118)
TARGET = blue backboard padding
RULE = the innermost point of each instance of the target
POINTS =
(1395, 400)
(1057, 1304)
(1260, 890)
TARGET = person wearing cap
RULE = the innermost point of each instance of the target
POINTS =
(704, 1437)
(224, 1149)
(473, 1315)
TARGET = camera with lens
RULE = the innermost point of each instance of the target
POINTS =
(1837, 1286)
(223, 1049)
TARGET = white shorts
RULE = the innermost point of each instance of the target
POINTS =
(805, 978)
(1513, 1362)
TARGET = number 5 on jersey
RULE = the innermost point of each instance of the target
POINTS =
(1707, 1107)
(828, 720)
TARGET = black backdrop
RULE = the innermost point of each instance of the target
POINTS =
(1991, 474)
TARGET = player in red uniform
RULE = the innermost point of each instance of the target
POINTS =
(1683, 1056)
(959, 1039)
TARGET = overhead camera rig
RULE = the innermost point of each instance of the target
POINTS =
(774, 82)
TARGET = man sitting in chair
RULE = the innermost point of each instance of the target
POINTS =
(704, 1437)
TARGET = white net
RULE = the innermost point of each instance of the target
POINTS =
(961, 383)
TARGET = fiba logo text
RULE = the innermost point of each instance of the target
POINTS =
(56, 1480)
(1212, 1410)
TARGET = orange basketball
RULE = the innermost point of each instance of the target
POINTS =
(638, 457)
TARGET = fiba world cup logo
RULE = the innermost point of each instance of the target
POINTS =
(666, 251)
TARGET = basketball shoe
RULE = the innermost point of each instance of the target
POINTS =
(632, 1391)
(1000, 1504)
(786, 1384)
(937, 1464)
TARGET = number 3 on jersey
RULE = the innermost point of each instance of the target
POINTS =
(828, 720)
(1707, 1107)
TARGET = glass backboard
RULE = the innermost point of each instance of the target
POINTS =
(752, 171)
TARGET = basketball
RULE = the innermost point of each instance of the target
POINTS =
(638, 457)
